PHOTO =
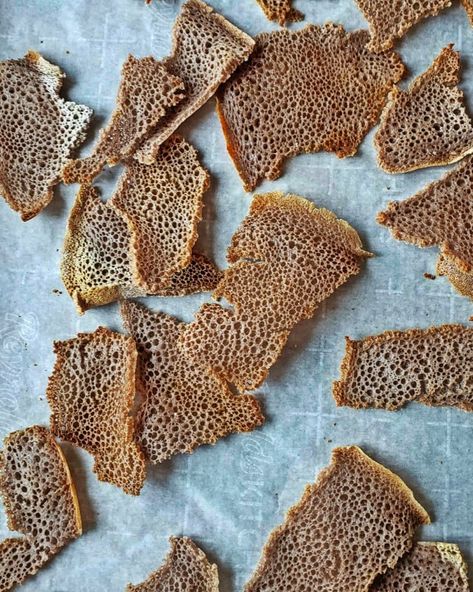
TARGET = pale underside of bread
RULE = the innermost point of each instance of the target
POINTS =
(40, 502)
(432, 366)
(318, 88)
(462, 281)
(280, 11)
(427, 124)
(186, 568)
(91, 393)
(38, 131)
(354, 523)
(206, 51)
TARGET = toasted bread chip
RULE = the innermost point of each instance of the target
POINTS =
(40, 502)
(38, 130)
(427, 125)
(427, 567)
(280, 11)
(315, 89)
(460, 280)
(206, 51)
(147, 90)
(184, 405)
(91, 393)
(356, 521)
(468, 6)
(200, 275)
(432, 366)
(186, 568)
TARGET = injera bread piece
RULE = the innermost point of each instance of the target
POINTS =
(432, 366)
(426, 125)
(354, 523)
(318, 88)
(461, 281)
(38, 131)
(147, 90)
(468, 6)
(206, 51)
(40, 502)
(280, 11)
(428, 567)
(91, 394)
(185, 569)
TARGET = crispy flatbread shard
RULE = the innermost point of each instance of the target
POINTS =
(460, 280)
(91, 394)
(40, 502)
(186, 568)
(468, 6)
(432, 366)
(38, 131)
(280, 11)
(206, 51)
(315, 89)
(427, 567)
(426, 125)
(200, 275)
(147, 90)
(354, 523)
(184, 405)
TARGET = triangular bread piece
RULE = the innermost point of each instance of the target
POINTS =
(184, 405)
(318, 88)
(200, 275)
(185, 569)
(428, 567)
(426, 125)
(280, 11)
(38, 131)
(206, 51)
(40, 502)
(146, 91)
(460, 280)
(354, 523)
(432, 366)
(91, 393)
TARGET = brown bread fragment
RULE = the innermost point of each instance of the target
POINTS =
(185, 569)
(40, 502)
(38, 130)
(206, 51)
(91, 394)
(468, 6)
(432, 366)
(354, 523)
(460, 280)
(315, 89)
(280, 11)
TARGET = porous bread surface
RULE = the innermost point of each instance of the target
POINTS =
(91, 394)
(428, 567)
(200, 275)
(318, 88)
(39, 500)
(184, 405)
(468, 6)
(185, 569)
(389, 20)
(432, 366)
(280, 11)
(355, 522)
(38, 131)
(206, 51)
(147, 90)
(460, 280)
(162, 204)
(426, 125)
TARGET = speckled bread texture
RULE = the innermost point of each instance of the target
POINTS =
(147, 90)
(91, 393)
(460, 280)
(426, 125)
(280, 11)
(318, 88)
(206, 51)
(429, 567)
(38, 131)
(40, 502)
(354, 523)
(185, 569)
(184, 405)
(468, 6)
(432, 366)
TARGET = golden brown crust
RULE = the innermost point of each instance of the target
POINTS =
(280, 11)
(468, 6)
(462, 281)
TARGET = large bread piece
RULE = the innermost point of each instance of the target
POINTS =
(147, 90)
(426, 125)
(354, 523)
(91, 393)
(280, 11)
(309, 90)
(432, 366)
(206, 51)
(185, 569)
(38, 131)
(40, 502)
